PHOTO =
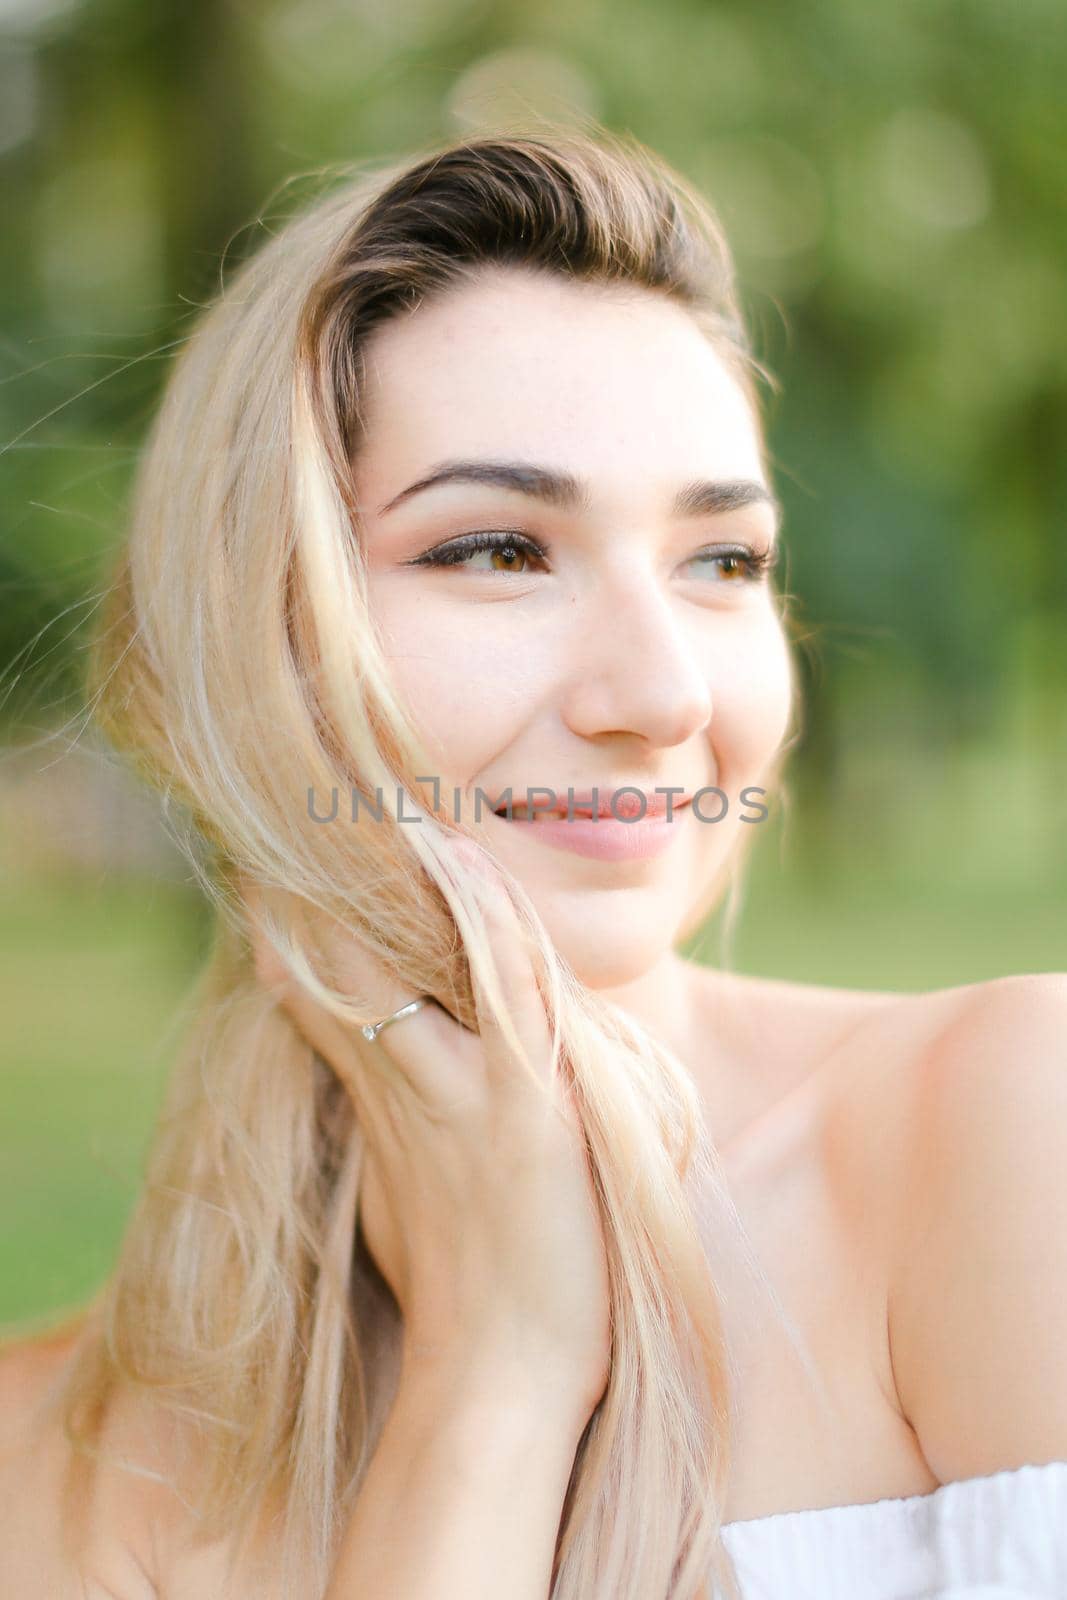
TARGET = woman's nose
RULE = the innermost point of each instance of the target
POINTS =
(637, 668)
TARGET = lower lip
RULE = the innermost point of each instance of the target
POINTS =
(606, 839)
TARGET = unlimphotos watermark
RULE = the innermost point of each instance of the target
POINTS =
(541, 801)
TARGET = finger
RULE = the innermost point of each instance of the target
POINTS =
(329, 952)
(417, 1050)
(446, 1063)
(513, 956)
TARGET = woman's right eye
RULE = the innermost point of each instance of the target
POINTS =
(513, 548)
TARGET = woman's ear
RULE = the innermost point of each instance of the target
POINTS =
(270, 969)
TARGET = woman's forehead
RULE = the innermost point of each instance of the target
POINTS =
(536, 368)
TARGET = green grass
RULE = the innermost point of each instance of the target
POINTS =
(899, 913)
(93, 976)
(89, 984)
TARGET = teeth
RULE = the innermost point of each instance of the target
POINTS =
(522, 813)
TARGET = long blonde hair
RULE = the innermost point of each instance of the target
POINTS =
(237, 667)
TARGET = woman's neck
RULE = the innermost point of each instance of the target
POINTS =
(664, 1001)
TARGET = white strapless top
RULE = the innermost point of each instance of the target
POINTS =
(1001, 1537)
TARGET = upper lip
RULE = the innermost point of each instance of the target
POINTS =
(655, 804)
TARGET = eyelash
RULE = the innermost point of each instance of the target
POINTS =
(755, 562)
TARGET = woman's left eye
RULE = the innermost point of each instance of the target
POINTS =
(740, 562)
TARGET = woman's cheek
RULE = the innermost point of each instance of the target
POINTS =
(752, 701)
(467, 696)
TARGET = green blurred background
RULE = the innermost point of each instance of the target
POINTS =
(892, 179)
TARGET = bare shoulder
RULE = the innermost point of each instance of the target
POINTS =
(28, 1369)
(778, 1037)
(880, 1079)
(966, 1130)
(918, 1070)
(827, 1063)
(122, 1531)
(874, 1070)
(45, 1553)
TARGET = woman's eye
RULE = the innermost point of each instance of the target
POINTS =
(507, 553)
(739, 564)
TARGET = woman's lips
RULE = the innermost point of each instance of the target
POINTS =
(603, 838)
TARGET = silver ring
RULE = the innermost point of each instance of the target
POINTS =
(371, 1030)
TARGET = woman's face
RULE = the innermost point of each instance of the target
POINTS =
(620, 637)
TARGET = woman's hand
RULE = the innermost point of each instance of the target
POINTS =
(476, 1199)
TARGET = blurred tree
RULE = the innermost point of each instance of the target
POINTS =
(891, 179)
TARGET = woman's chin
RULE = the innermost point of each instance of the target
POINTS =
(610, 934)
(604, 975)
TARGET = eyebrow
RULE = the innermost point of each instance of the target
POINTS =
(702, 497)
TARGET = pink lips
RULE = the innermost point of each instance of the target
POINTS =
(603, 838)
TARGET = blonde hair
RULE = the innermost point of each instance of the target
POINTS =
(237, 666)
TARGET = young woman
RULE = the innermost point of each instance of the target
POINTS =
(488, 1247)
